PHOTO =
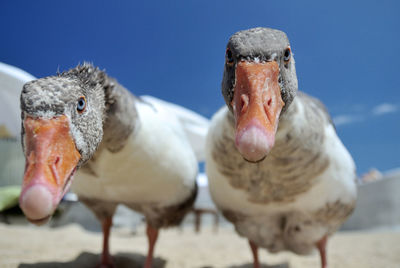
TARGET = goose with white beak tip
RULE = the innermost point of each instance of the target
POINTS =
(126, 152)
(276, 167)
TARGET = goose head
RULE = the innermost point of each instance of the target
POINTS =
(62, 126)
(258, 85)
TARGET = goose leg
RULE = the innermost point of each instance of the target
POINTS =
(152, 234)
(254, 250)
(104, 212)
(106, 260)
(198, 212)
(321, 245)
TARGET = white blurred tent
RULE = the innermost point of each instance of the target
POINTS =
(11, 158)
(11, 81)
(194, 125)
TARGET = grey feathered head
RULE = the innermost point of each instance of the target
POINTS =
(81, 94)
(260, 45)
(62, 126)
(258, 85)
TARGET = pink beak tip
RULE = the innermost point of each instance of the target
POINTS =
(36, 202)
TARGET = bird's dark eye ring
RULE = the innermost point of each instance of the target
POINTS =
(286, 56)
(81, 105)
(229, 56)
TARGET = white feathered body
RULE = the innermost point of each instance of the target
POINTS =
(275, 214)
(155, 167)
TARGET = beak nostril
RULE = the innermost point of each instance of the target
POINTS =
(267, 108)
(53, 169)
(57, 160)
(244, 103)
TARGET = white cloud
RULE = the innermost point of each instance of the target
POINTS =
(384, 108)
(346, 119)
(359, 116)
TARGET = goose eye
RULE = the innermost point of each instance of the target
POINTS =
(286, 56)
(81, 105)
(229, 56)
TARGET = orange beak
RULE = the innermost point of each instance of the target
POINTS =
(51, 160)
(257, 104)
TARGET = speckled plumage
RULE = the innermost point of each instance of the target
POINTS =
(250, 45)
(305, 187)
(56, 95)
(291, 168)
(283, 217)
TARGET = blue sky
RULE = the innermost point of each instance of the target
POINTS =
(347, 54)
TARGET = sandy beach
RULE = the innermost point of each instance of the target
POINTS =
(72, 246)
